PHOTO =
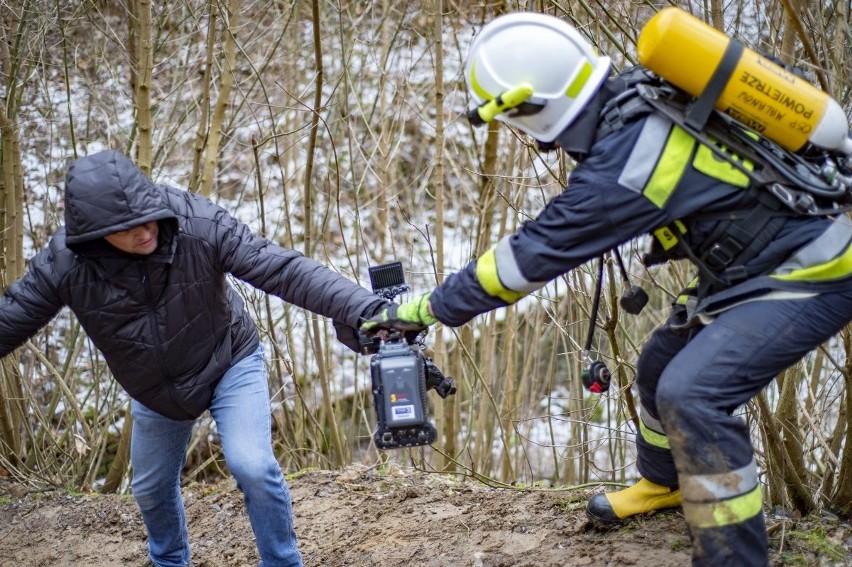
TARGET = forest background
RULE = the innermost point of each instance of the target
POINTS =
(337, 128)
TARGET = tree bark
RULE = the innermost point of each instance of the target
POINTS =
(204, 101)
(226, 83)
(144, 69)
(121, 463)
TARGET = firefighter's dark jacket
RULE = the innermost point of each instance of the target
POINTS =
(168, 324)
(638, 180)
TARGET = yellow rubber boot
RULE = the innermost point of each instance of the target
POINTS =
(644, 496)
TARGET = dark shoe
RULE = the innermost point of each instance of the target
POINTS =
(644, 496)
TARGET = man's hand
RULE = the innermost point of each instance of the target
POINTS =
(412, 315)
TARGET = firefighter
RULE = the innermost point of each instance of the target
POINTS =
(772, 284)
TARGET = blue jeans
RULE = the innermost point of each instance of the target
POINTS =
(241, 410)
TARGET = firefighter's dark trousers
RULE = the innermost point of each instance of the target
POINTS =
(690, 382)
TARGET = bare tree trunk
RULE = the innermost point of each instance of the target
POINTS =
(487, 191)
(840, 49)
(226, 83)
(204, 101)
(144, 68)
(312, 142)
(716, 16)
(443, 413)
(787, 415)
(795, 20)
(842, 497)
(787, 48)
(12, 193)
(798, 492)
(12, 405)
(121, 463)
(12, 414)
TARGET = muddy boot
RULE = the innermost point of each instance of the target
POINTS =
(644, 496)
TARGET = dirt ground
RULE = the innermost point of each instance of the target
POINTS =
(361, 517)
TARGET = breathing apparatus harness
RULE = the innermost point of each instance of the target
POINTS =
(782, 184)
(803, 182)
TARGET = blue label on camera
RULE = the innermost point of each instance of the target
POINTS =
(402, 412)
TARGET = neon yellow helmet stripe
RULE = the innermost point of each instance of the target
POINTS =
(576, 86)
(476, 87)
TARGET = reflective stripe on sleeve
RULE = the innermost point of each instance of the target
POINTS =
(508, 270)
(500, 276)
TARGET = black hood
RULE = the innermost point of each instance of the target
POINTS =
(107, 193)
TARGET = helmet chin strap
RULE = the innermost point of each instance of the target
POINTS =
(517, 101)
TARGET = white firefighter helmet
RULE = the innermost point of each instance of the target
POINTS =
(543, 66)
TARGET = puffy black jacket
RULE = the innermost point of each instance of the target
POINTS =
(168, 324)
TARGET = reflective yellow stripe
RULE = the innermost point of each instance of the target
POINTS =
(580, 80)
(652, 437)
(725, 512)
(837, 268)
(714, 166)
(684, 296)
(669, 170)
(508, 270)
(486, 274)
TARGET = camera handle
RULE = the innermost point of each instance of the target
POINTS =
(596, 376)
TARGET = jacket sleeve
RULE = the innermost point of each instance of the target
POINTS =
(586, 220)
(289, 275)
(29, 304)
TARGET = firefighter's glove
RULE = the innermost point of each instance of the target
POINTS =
(410, 316)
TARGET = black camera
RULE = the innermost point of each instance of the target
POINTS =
(401, 373)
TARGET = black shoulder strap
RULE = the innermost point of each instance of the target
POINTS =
(627, 104)
(700, 110)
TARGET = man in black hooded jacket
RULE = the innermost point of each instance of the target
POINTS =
(144, 269)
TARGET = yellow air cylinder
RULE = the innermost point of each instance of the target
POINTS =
(759, 93)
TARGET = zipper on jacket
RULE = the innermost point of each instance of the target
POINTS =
(149, 297)
(152, 318)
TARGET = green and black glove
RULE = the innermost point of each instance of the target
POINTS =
(410, 316)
